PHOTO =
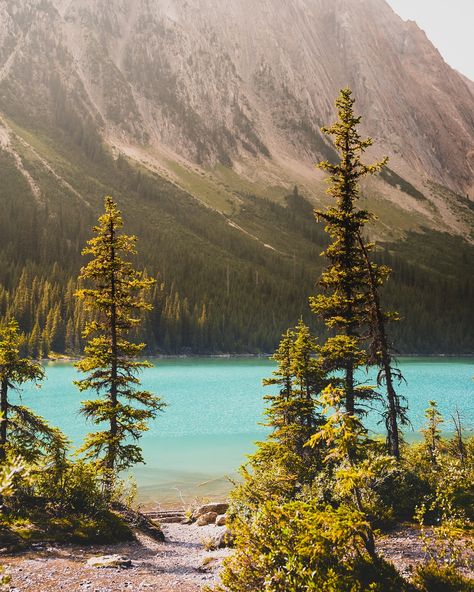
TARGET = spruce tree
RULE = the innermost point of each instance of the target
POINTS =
(292, 412)
(21, 430)
(344, 298)
(350, 303)
(284, 465)
(116, 302)
(353, 280)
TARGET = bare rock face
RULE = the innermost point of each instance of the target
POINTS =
(215, 81)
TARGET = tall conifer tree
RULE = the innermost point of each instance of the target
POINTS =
(116, 301)
(350, 303)
(343, 302)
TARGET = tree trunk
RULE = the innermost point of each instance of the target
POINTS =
(4, 418)
(112, 449)
(385, 357)
(350, 398)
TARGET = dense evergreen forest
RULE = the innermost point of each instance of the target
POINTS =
(225, 284)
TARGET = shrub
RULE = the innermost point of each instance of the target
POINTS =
(432, 577)
(298, 546)
(59, 501)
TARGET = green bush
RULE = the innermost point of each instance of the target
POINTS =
(75, 487)
(298, 546)
(432, 577)
(60, 501)
(419, 479)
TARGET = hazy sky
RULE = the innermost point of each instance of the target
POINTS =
(450, 26)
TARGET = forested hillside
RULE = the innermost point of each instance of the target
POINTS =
(200, 122)
(226, 283)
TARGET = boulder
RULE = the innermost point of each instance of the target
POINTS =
(207, 518)
(110, 561)
(221, 520)
(225, 539)
(218, 508)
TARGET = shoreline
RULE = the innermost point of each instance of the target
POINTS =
(71, 359)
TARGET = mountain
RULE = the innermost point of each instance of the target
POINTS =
(200, 116)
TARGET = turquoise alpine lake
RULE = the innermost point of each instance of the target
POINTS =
(215, 406)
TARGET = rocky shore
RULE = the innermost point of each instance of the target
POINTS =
(188, 559)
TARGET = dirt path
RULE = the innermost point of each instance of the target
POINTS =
(181, 564)
(174, 566)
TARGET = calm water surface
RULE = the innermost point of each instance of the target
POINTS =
(214, 410)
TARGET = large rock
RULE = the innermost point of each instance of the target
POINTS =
(110, 561)
(221, 520)
(218, 508)
(207, 518)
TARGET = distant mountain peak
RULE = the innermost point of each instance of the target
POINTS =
(217, 82)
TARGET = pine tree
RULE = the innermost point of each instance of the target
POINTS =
(116, 302)
(292, 411)
(351, 304)
(21, 430)
(343, 303)
(283, 465)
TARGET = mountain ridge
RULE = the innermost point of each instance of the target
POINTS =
(201, 132)
(218, 82)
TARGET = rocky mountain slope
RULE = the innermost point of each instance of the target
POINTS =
(215, 81)
(200, 116)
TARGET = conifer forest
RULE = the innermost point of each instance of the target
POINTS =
(163, 239)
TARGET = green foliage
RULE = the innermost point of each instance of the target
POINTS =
(71, 488)
(40, 526)
(117, 301)
(358, 468)
(11, 470)
(432, 577)
(21, 430)
(57, 500)
(433, 484)
(283, 466)
(342, 304)
(193, 309)
(447, 507)
(297, 546)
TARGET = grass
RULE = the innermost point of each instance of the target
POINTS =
(200, 183)
(41, 527)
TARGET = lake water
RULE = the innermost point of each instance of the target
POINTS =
(213, 414)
